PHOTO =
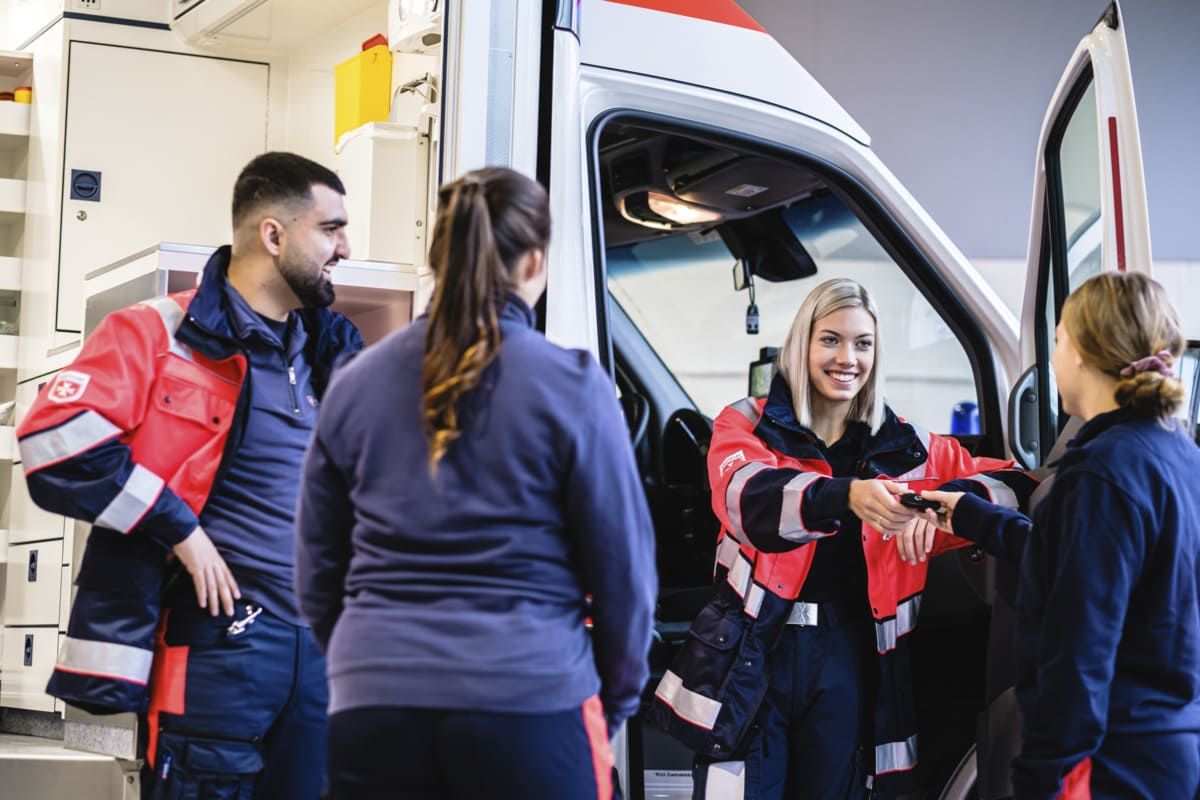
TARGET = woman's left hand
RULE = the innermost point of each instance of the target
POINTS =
(915, 542)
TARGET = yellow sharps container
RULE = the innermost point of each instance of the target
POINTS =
(363, 87)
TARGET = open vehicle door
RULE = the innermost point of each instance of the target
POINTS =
(1089, 215)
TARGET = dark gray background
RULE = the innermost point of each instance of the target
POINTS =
(952, 93)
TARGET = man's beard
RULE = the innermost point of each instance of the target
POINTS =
(312, 290)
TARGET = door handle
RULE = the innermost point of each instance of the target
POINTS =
(1023, 419)
(33, 562)
(29, 650)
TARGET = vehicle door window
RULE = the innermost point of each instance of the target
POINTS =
(1074, 228)
(677, 287)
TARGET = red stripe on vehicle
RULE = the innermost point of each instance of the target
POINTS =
(1119, 212)
(725, 12)
(1078, 783)
(602, 754)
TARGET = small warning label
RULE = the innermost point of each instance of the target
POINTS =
(746, 190)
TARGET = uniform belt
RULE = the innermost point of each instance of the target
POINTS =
(829, 614)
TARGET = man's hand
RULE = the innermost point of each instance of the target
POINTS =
(875, 503)
(215, 587)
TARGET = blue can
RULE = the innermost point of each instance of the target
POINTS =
(964, 419)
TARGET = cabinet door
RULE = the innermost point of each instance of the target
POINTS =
(168, 132)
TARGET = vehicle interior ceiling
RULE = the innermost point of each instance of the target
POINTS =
(658, 183)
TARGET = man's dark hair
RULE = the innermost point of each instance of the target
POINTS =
(279, 178)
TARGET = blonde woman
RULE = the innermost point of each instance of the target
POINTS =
(795, 681)
(1108, 603)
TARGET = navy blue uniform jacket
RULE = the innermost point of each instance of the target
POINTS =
(1108, 605)
(469, 589)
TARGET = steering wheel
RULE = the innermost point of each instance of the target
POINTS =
(637, 417)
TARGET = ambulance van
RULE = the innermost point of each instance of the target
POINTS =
(701, 183)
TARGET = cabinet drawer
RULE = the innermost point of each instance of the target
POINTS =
(27, 522)
(28, 660)
(33, 583)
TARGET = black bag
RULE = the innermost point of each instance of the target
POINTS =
(711, 694)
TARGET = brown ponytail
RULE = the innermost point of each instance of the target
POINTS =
(1117, 321)
(486, 221)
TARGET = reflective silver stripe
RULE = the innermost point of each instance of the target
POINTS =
(921, 470)
(172, 316)
(695, 708)
(140, 492)
(1000, 492)
(896, 756)
(106, 659)
(727, 551)
(889, 630)
(804, 614)
(754, 600)
(791, 523)
(740, 574)
(748, 409)
(733, 495)
(71, 438)
(726, 780)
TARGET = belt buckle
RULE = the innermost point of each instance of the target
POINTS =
(804, 614)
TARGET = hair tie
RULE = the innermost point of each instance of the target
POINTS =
(1160, 362)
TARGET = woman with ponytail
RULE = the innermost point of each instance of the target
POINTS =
(470, 501)
(1108, 602)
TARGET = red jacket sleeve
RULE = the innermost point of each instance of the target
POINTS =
(73, 440)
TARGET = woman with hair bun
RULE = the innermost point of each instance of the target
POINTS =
(470, 502)
(1108, 602)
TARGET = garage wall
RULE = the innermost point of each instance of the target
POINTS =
(953, 94)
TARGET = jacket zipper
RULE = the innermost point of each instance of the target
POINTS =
(291, 371)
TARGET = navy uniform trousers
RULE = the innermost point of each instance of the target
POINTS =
(238, 709)
(808, 742)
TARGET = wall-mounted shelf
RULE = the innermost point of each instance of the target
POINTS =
(10, 274)
(12, 200)
(14, 125)
(8, 351)
(8, 442)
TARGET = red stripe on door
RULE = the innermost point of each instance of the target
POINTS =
(725, 12)
(1118, 210)
(602, 754)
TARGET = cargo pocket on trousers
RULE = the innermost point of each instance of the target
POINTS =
(197, 768)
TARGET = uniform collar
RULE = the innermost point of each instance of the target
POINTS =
(1102, 422)
(248, 323)
(783, 433)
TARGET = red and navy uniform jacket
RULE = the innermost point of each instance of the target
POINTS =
(132, 437)
(773, 493)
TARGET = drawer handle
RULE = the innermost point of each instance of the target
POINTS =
(33, 566)
(29, 649)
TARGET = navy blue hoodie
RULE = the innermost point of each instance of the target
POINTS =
(468, 589)
(1108, 605)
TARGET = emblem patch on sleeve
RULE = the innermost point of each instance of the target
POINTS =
(67, 386)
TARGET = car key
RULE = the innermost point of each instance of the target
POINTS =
(915, 501)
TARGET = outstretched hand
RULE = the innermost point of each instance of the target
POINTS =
(875, 503)
(915, 542)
